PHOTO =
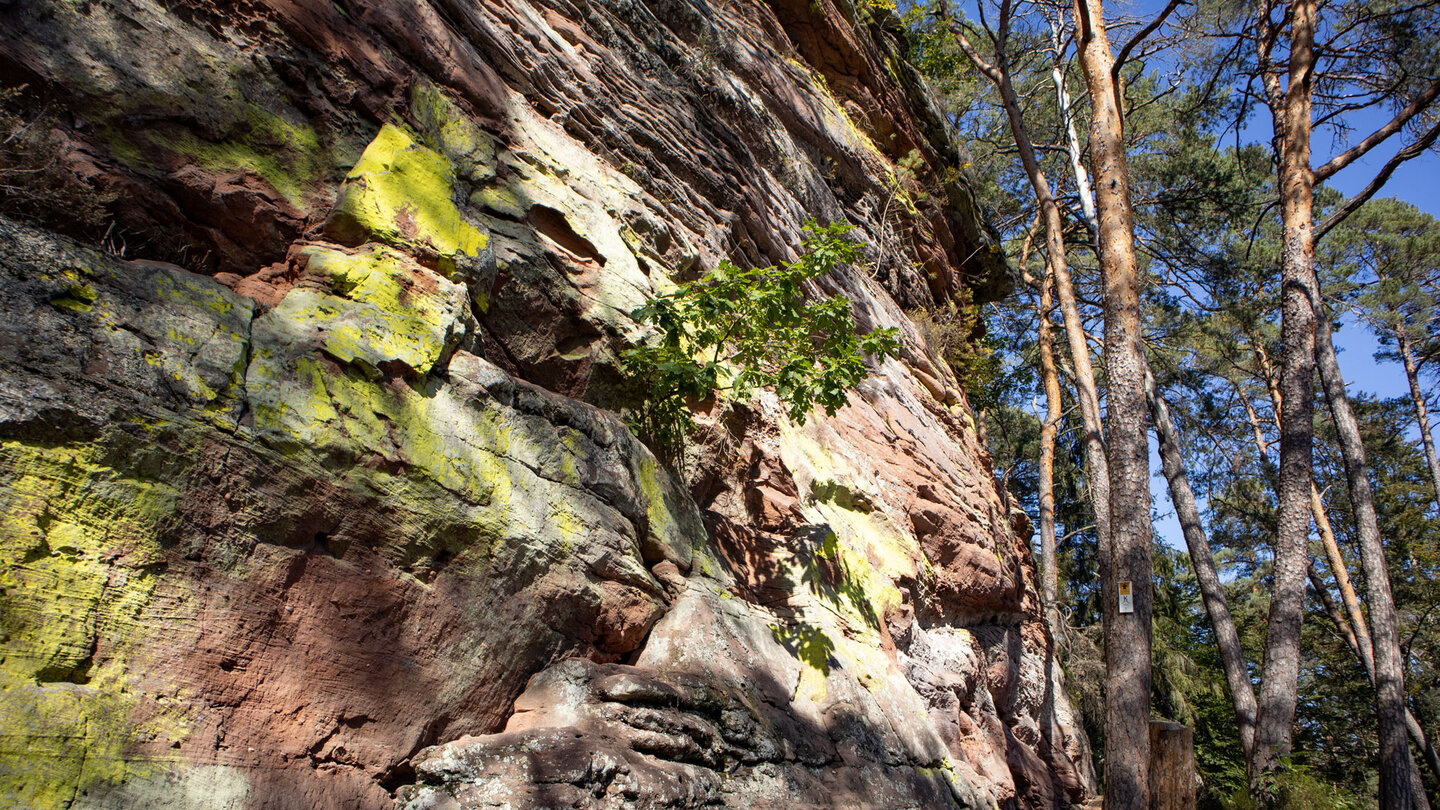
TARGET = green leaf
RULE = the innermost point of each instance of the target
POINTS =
(756, 328)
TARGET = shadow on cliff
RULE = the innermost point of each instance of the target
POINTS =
(214, 154)
(771, 569)
(324, 657)
(363, 624)
(844, 748)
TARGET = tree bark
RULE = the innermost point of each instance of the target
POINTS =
(1422, 416)
(1280, 670)
(1072, 141)
(1097, 476)
(1054, 737)
(1357, 631)
(1127, 635)
(1212, 594)
(1050, 378)
(1395, 776)
(1338, 567)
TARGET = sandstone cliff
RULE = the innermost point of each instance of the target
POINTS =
(312, 493)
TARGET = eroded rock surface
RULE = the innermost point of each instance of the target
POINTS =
(313, 491)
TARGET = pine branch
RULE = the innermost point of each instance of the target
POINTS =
(1141, 35)
(1379, 136)
(1413, 150)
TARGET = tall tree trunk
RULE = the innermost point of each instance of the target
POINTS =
(1417, 398)
(1050, 378)
(1212, 594)
(1412, 726)
(1097, 476)
(1072, 141)
(1343, 627)
(1341, 573)
(1395, 777)
(1338, 567)
(1357, 631)
(1054, 736)
(1274, 726)
(1127, 635)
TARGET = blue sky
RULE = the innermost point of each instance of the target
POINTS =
(1416, 182)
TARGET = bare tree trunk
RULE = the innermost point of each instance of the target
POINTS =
(1097, 477)
(1338, 567)
(1357, 631)
(1347, 633)
(1395, 777)
(1054, 736)
(1342, 581)
(1212, 594)
(1050, 378)
(1127, 635)
(1098, 474)
(1432, 759)
(1072, 140)
(1280, 671)
(1328, 601)
(1422, 416)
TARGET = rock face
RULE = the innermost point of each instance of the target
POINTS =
(312, 489)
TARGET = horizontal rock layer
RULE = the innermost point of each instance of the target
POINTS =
(313, 492)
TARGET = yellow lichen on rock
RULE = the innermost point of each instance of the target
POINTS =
(667, 536)
(290, 157)
(814, 649)
(445, 126)
(837, 493)
(400, 193)
(67, 520)
(380, 308)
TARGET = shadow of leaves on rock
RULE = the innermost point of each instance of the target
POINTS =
(834, 574)
(808, 643)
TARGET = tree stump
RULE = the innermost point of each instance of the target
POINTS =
(1172, 766)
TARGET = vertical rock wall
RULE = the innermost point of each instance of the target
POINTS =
(312, 490)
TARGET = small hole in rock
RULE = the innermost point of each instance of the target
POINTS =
(553, 225)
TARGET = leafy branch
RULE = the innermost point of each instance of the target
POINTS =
(737, 330)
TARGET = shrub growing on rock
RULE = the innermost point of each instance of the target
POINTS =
(735, 330)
